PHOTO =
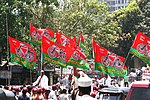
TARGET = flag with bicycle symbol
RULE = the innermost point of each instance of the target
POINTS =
(109, 63)
(141, 47)
(22, 53)
(37, 34)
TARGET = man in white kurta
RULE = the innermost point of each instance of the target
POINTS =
(41, 81)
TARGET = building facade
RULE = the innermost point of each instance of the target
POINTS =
(116, 4)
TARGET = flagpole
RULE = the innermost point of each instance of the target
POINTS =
(61, 72)
(39, 62)
(41, 58)
(74, 71)
(30, 76)
(126, 60)
(7, 47)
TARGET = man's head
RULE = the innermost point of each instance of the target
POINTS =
(54, 87)
(84, 84)
(42, 72)
(24, 90)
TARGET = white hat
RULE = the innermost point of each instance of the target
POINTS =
(42, 71)
(84, 81)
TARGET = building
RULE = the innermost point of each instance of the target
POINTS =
(116, 4)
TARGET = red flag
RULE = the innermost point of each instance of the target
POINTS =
(94, 45)
(108, 58)
(55, 51)
(78, 59)
(37, 34)
(141, 47)
(81, 38)
(108, 62)
(75, 40)
(49, 34)
(34, 33)
(22, 53)
(78, 54)
(65, 40)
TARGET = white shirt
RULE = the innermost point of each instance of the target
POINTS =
(74, 82)
(87, 97)
(43, 83)
(52, 95)
(63, 97)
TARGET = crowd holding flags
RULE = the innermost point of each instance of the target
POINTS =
(65, 51)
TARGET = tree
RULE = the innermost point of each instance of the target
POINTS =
(87, 17)
(135, 17)
(144, 26)
(17, 16)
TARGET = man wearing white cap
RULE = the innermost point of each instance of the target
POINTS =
(84, 85)
(42, 80)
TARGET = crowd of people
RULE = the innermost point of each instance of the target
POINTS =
(70, 87)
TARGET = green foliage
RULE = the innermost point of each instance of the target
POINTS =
(115, 31)
(135, 17)
(87, 17)
(144, 25)
(17, 16)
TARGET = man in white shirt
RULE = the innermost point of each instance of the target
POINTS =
(42, 81)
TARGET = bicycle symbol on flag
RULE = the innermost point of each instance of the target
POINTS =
(144, 48)
(25, 52)
(112, 59)
(56, 52)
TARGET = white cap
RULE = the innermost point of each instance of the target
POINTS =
(42, 71)
(84, 81)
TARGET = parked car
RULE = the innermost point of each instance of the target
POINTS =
(6, 95)
(113, 93)
(139, 90)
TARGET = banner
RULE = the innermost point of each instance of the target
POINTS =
(55, 53)
(109, 63)
(22, 53)
(37, 34)
(141, 47)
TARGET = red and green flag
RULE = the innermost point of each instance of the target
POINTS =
(55, 53)
(81, 39)
(84, 49)
(109, 63)
(78, 60)
(22, 53)
(65, 40)
(141, 47)
(37, 34)
(94, 45)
